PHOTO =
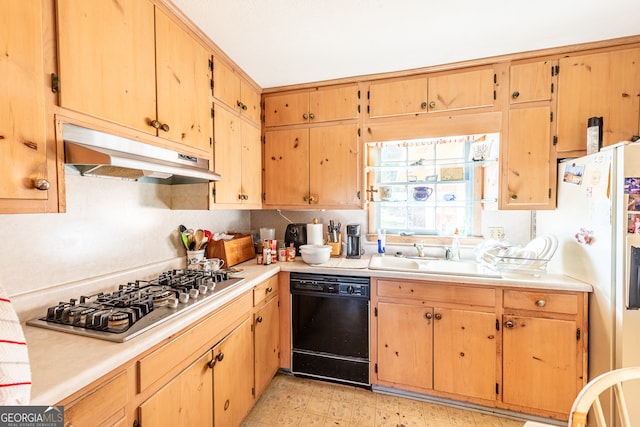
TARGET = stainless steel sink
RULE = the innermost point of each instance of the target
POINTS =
(431, 266)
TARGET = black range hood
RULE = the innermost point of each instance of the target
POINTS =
(97, 153)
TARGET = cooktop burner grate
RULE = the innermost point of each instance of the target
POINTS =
(135, 307)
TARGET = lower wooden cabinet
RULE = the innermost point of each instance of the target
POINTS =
(104, 405)
(517, 349)
(233, 377)
(185, 400)
(266, 333)
(435, 348)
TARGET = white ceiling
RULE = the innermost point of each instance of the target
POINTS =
(283, 42)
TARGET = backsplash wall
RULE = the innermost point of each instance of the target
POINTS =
(110, 226)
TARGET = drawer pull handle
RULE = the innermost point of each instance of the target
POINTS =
(509, 324)
(259, 319)
(541, 303)
(269, 289)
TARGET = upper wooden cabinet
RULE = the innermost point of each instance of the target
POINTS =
(323, 104)
(442, 92)
(316, 166)
(130, 63)
(238, 159)
(27, 157)
(532, 81)
(234, 91)
(603, 85)
(528, 155)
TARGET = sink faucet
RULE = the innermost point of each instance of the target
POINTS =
(447, 253)
(420, 248)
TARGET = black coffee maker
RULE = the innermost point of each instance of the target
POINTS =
(354, 247)
(296, 234)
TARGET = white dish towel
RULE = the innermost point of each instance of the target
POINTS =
(15, 371)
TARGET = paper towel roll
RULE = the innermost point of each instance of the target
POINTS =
(314, 234)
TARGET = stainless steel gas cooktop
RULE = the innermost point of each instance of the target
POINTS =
(135, 307)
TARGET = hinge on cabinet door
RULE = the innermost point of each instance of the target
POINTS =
(368, 109)
(211, 83)
(55, 83)
(549, 193)
(551, 117)
(359, 134)
(358, 108)
(552, 88)
(264, 140)
(358, 93)
(497, 325)
(555, 70)
(264, 196)
(555, 139)
(368, 94)
(253, 391)
(358, 194)
(375, 311)
(213, 192)
(210, 142)
(494, 95)
(497, 388)
(213, 113)
(495, 78)
(211, 64)
(578, 334)
(375, 368)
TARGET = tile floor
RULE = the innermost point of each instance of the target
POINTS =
(291, 401)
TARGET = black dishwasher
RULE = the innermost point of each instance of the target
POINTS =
(330, 327)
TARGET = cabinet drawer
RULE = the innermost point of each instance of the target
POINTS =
(541, 301)
(265, 290)
(158, 363)
(437, 292)
(106, 404)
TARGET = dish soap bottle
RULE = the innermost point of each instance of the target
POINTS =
(455, 246)
(381, 241)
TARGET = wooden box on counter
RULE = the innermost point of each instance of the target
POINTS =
(234, 251)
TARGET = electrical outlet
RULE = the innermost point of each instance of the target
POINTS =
(496, 233)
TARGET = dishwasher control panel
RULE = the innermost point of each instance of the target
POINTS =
(345, 286)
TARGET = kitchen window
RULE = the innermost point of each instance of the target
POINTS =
(431, 186)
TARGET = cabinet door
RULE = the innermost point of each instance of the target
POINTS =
(531, 81)
(286, 109)
(184, 86)
(329, 104)
(106, 60)
(529, 171)
(23, 151)
(398, 97)
(267, 344)
(227, 156)
(456, 91)
(603, 85)
(251, 166)
(334, 169)
(286, 167)
(539, 365)
(233, 377)
(251, 102)
(226, 84)
(405, 344)
(464, 360)
(184, 401)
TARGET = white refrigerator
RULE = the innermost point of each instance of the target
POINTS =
(598, 207)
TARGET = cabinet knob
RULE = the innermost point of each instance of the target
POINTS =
(509, 324)
(312, 116)
(428, 316)
(211, 363)
(259, 319)
(432, 104)
(514, 196)
(42, 184)
(164, 127)
(305, 116)
(541, 303)
(155, 124)
(220, 356)
(438, 316)
(423, 105)
(243, 197)
(270, 289)
(515, 94)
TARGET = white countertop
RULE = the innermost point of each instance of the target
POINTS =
(62, 363)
